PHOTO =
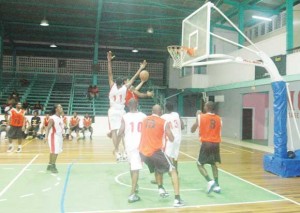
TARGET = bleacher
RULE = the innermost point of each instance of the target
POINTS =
(51, 82)
(60, 94)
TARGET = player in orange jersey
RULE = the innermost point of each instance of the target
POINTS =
(209, 125)
(87, 125)
(17, 126)
(154, 128)
(74, 125)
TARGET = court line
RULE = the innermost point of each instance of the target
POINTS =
(62, 200)
(27, 195)
(283, 197)
(175, 208)
(20, 173)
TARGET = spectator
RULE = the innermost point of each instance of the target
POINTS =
(38, 107)
(89, 92)
(95, 91)
(26, 107)
(87, 125)
(74, 126)
(34, 125)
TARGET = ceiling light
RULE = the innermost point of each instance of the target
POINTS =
(44, 22)
(135, 51)
(53, 45)
(150, 30)
(262, 18)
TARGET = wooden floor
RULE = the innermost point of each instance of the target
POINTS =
(240, 161)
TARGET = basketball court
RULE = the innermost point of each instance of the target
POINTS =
(90, 180)
(88, 168)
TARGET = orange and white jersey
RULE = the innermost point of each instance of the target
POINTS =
(133, 125)
(55, 135)
(175, 125)
(117, 97)
(57, 127)
(17, 117)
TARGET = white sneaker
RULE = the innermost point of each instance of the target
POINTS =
(162, 192)
(124, 156)
(210, 186)
(10, 149)
(178, 203)
(133, 198)
(19, 150)
(118, 157)
(217, 189)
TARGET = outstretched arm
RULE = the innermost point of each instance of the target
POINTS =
(138, 87)
(142, 95)
(142, 66)
(169, 132)
(109, 69)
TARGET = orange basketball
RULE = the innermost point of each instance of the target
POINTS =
(144, 75)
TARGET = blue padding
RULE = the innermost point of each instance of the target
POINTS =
(280, 118)
(283, 167)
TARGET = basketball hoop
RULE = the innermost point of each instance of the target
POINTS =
(178, 53)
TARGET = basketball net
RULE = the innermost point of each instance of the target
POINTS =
(178, 53)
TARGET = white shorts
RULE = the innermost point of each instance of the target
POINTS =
(114, 118)
(134, 160)
(55, 144)
(172, 149)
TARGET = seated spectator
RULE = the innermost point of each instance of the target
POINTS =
(95, 91)
(15, 95)
(24, 82)
(26, 107)
(74, 126)
(89, 92)
(87, 125)
(34, 125)
(4, 125)
(38, 107)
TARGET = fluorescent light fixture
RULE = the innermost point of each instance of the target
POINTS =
(135, 51)
(44, 22)
(53, 45)
(262, 18)
(150, 30)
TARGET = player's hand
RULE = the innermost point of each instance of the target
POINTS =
(150, 94)
(143, 65)
(109, 56)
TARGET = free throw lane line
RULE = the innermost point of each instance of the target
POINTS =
(16, 178)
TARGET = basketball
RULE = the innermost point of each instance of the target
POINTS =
(144, 75)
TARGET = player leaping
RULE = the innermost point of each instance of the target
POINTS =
(117, 96)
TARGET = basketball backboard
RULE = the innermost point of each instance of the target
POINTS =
(196, 34)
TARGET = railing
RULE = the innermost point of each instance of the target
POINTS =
(28, 90)
(70, 110)
(49, 94)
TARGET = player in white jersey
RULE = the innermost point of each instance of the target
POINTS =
(131, 125)
(54, 136)
(176, 124)
(117, 96)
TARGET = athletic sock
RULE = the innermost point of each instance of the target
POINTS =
(207, 178)
(217, 181)
(177, 197)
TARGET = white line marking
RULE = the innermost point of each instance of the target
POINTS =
(3, 200)
(42, 172)
(8, 168)
(16, 178)
(27, 195)
(56, 184)
(47, 189)
(295, 202)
